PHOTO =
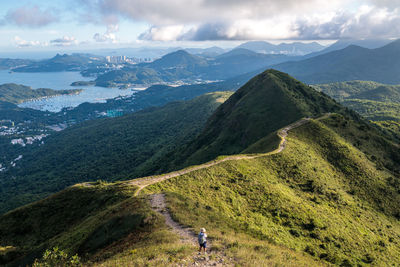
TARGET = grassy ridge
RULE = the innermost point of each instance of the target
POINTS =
(322, 196)
(110, 222)
(266, 103)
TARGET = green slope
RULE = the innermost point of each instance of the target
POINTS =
(326, 199)
(321, 195)
(109, 149)
(330, 197)
(266, 103)
(109, 215)
(374, 101)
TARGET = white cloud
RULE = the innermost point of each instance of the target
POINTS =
(30, 16)
(251, 19)
(163, 33)
(366, 22)
(64, 41)
(19, 42)
(109, 35)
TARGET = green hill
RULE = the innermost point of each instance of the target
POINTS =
(15, 93)
(328, 194)
(374, 101)
(321, 201)
(108, 149)
(73, 62)
(266, 103)
(361, 90)
(330, 197)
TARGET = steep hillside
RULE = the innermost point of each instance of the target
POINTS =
(266, 103)
(351, 63)
(109, 149)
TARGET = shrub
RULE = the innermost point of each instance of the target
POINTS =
(57, 258)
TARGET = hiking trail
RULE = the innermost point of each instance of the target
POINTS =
(158, 204)
(282, 133)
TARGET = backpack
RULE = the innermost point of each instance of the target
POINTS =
(202, 238)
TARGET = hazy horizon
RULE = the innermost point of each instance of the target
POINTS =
(85, 25)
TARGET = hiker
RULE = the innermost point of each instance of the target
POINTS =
(203, 240)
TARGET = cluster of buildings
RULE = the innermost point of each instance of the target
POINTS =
(125, 59)
(28, 140)
(116, 59)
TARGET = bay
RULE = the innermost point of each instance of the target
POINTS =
(61, 81)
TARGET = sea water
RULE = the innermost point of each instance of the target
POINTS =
(61, 81)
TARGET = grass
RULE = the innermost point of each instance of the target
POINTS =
(324, 200)
(322, 196)
(101, 222)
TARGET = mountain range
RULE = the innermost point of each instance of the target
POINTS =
(351, 63)
(293, 49)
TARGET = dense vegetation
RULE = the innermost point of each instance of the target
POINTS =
(109, 149)
(351, 63)
(374, 101)
(15, 93)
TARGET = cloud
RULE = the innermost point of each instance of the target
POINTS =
(19, 42)
(200, 20)
(367, 22)
(160, 12)
(32, 17)
(109, 35)
(364, 22)
(64, 41)
(163, 33)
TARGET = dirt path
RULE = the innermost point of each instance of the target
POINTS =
(158, 204)
(187, 236)
(146, 181)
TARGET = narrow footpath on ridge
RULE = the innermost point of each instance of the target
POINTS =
(158, 202)
(282, 133)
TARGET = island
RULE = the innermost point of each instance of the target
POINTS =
(83, 83)
(17, 93)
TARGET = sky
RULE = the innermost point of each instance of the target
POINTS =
(88, 24)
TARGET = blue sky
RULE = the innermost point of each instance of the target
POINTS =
(88, 24)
